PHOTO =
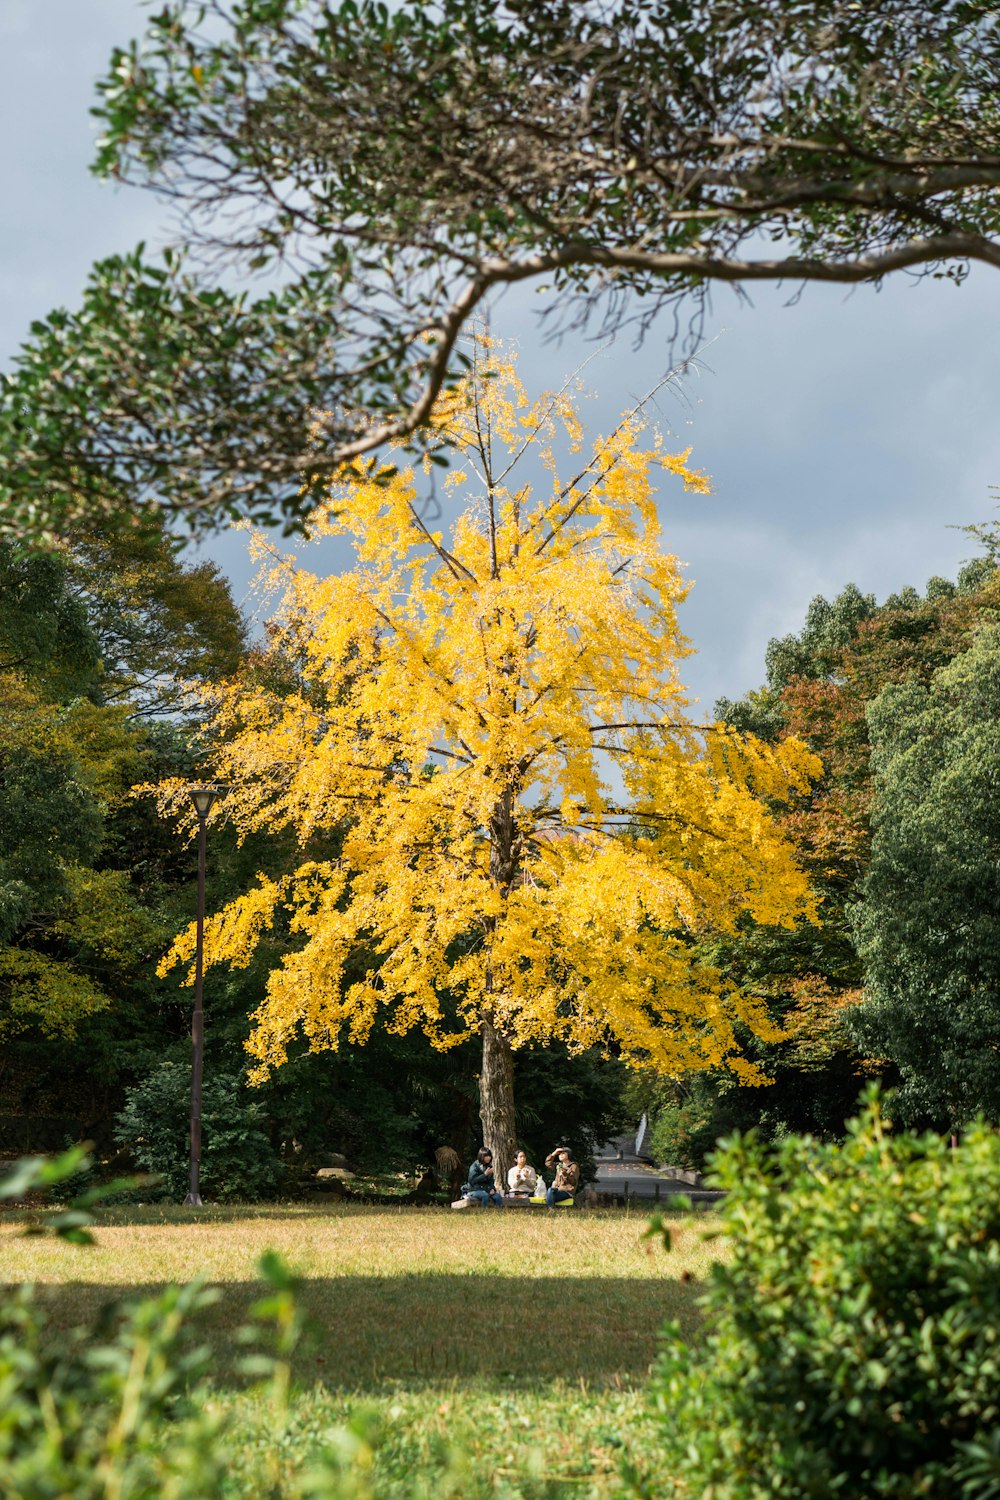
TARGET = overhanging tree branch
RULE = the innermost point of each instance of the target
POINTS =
(397, 166)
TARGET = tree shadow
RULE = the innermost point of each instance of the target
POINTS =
(432, 1328)
(319, 1206)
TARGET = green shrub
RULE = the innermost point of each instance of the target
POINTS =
(687, 1126)
(853, 1344)
(238, 1163)
(87, 1417)
(103, 1411)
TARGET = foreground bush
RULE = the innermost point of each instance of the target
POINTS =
(854, 1335)
(86, 1415)
(94, 1417)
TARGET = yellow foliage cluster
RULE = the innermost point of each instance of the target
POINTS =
(73, 757)
(490, 720)
(40, 991)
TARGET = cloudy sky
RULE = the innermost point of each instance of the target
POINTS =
(844, 435)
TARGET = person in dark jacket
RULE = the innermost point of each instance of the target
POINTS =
(480, 1185)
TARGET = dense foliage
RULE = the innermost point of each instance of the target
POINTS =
(852, 1341)
(237, 1160)
(821, 686)
(400, 162)
(96, 638)
(92, 1417)
(926, 920)
(88, 1415)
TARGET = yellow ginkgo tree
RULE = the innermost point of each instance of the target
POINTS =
(534, 840)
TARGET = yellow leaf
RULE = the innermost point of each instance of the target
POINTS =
(487, 722)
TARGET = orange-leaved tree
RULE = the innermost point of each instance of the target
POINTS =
(534, 836)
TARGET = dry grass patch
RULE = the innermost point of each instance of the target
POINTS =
(422, 1296)
(486, 1356)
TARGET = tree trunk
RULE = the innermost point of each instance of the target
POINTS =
(496, 1081)
(496, 1101)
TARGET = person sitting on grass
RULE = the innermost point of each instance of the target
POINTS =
(480, 1186)
(521, 1178)
(567, 1178)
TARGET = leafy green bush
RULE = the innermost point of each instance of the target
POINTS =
(853, 1346)
(87, 1417)
(238, 1163)
(101, 1412)
(686, 1127)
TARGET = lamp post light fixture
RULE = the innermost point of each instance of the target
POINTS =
(202, 797)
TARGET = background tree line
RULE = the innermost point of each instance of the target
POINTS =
(900, 836)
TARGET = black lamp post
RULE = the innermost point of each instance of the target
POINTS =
(202, 797)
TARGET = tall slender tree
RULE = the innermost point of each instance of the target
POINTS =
(535, 835)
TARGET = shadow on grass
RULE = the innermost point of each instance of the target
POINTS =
(323, 1206)
(432, 1328)
(121, 1216)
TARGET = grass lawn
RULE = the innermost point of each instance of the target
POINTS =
(521, 1339)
